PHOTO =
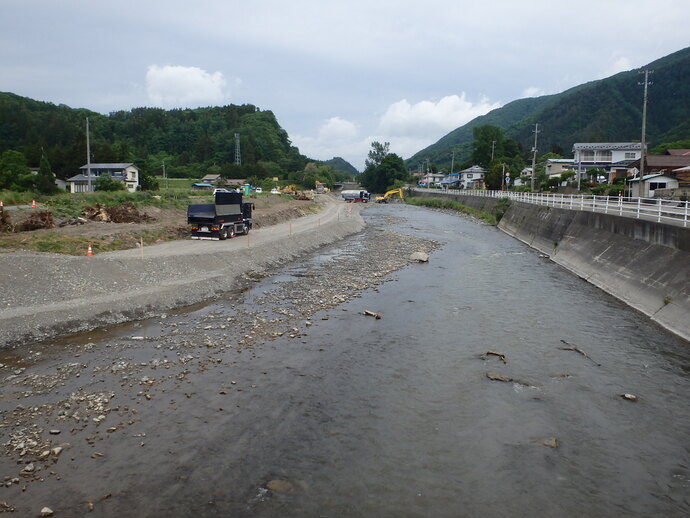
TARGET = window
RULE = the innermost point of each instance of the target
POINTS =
(469, 175)
(630, 156)
(653, 186)
(588, 156)
(605, 156)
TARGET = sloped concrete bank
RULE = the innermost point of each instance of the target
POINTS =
(642, 263)
(47, 295)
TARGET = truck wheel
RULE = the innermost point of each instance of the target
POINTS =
(232, 231)
(224, 234)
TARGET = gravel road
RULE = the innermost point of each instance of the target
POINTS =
(46, 295)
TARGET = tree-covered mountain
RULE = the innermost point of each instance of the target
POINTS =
(607, 110)
(342, 165)
(190, 142)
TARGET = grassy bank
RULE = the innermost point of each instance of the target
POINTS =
(492, 217)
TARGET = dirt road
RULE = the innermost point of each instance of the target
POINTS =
(46, 295)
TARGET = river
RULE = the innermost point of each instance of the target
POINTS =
(397, 416)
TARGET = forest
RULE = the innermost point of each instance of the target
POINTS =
(180, 143)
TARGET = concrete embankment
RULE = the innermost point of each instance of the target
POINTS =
(642, 263)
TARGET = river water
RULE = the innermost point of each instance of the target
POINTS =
(396, 417)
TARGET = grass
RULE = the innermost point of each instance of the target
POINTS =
(438, 203)
(58, 243)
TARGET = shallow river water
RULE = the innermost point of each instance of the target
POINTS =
(396, 417)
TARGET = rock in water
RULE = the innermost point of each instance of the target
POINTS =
(551, 442)
(420, 257)
(280, 486)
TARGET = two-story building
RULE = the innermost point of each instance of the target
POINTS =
(612, 157)
(472, 178)
(85, 181)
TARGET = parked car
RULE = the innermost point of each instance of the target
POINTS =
(275, 191)
(219, 190)
(259, 190)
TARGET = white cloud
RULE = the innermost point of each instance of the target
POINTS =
(533, 91)
(428, 117)
(172, 86)
(621, 64)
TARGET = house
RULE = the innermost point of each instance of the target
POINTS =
(211, 178)
(651, 183)
(85, 181)
(554, 167)
(431, 179)
(472, 178)
(612, 157)
(661, 163)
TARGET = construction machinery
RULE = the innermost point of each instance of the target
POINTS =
(392, 192)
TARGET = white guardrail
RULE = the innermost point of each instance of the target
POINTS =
(673, 212)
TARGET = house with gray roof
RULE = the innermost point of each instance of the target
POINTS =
(126, 173)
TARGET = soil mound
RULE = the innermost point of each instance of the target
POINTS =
(123, 213)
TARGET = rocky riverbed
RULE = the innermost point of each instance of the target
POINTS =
(93, 402)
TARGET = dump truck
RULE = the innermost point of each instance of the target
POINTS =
(353, 196)
(227, 217)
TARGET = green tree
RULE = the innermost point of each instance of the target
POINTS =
(377, 153)
(389, 172)
(12, 167)
(488, 142)
(106, 183)
(45, 182)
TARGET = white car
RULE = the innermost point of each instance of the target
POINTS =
(219, 190)
(275, 191)
(259, 190)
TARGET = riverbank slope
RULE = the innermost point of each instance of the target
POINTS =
(44, 295)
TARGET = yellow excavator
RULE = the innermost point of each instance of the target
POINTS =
(384, 198)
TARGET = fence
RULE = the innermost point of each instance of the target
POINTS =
(673, 212)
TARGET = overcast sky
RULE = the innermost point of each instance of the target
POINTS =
(337, 74)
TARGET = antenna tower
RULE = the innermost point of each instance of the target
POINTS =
(238, 157)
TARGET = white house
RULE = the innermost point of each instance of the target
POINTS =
(612, 157)
(431, 179)
(652, 182)
(126, 173)
(472, 178)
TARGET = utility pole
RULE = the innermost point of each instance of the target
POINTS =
(493, 147)
(165, 177)
(452, 162)
(534, 154)
(643, 146)
(88, 158)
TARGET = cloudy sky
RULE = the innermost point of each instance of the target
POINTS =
(337, 74)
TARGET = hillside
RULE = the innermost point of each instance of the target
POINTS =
(342, 165)
(189, 141)
(605, 110)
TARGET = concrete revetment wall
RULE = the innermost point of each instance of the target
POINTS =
(643, 263)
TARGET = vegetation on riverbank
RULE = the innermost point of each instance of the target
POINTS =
(492, 217)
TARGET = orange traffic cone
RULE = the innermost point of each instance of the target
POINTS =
(89, 253)
(33, 204)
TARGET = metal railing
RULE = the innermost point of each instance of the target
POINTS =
(673, 212)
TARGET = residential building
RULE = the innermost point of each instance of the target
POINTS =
(554, 167)
(431, 179)
(612, 157)
(651, 183)
(472, 178)
(126, 173)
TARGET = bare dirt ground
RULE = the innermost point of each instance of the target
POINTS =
(167, 223)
